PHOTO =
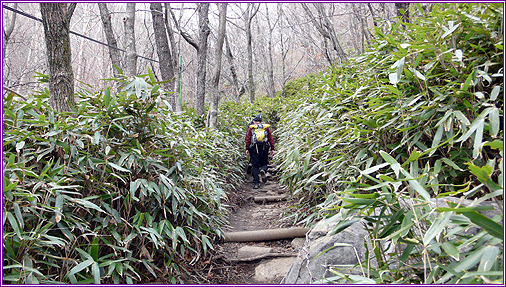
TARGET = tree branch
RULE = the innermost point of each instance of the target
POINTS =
(70, 11)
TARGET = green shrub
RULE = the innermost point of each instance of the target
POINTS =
(417, 117)
(118, 191)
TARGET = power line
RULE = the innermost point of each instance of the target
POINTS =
(72, 32)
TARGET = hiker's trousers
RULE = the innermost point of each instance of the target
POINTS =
(259, 158)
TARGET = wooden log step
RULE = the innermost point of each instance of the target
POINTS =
(265, 234)
(269, 198)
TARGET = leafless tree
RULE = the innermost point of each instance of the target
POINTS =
(271, 90)
(325, 28)
(56, 18)
(215, 78)
(201, 47)
(114, 53)
(251, 11)
(131, 52)
(165, 60)
(238, 92)
(175, 58)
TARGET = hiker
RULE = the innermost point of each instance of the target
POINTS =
(259, 143)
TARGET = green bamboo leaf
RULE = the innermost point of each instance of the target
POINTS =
(107, 97)
(495, 92)
(482, 273)
(393, 163)
(492, 227)
(94, 249)
(85, 203)
(151, 76)
(451, 163)
(358, 201)
(437, 139)
(81, 266)
(14, 224)
(490, 256)
(19, 146)
(306, 161)
(19, 216)
(451, 250)
(412, 157)
(464, 209)
(436, 227)
(419, 75)
(467, 84)
(414, 184)
(95, 270)
(496, 144)
(459, 115)
(494, 122)
(374, 168)
(343, 224)
(470, 261)
(118, 167)
(393, 78)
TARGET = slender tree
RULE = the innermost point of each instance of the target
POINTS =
(114, 53)
(251, 11)
(55, 19)
(325, 28)
(233, 72)
(165, 61)
(215, 78)
(175, 58)
(271, 90)
(201, 47)
(131, 52)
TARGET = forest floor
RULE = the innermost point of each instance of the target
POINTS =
(229, 262)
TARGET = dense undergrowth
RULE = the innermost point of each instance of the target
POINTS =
(119, 191)
(418, 117)
(123, 189)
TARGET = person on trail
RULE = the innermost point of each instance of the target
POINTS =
(259, 144)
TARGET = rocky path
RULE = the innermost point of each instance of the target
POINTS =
(256, 262)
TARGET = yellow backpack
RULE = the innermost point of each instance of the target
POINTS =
(259, 133)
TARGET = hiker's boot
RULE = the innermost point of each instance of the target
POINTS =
(255, 185)
(263, 176)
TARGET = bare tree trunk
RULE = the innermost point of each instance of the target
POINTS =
(131, 53)
(271, 90)
(175, 59)
(7, 31)
(251, 11)
(325, 27)
(215, 80)
(404, 6)
(201, 47)
(56, 19)
(164, 54)
(235, 82)
(202, 57)
(284, 53)
(109, 35)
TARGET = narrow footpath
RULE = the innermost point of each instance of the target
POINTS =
(261, 243)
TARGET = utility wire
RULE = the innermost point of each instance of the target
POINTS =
(71, 32)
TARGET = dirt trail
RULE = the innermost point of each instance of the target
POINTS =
(262, 262)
